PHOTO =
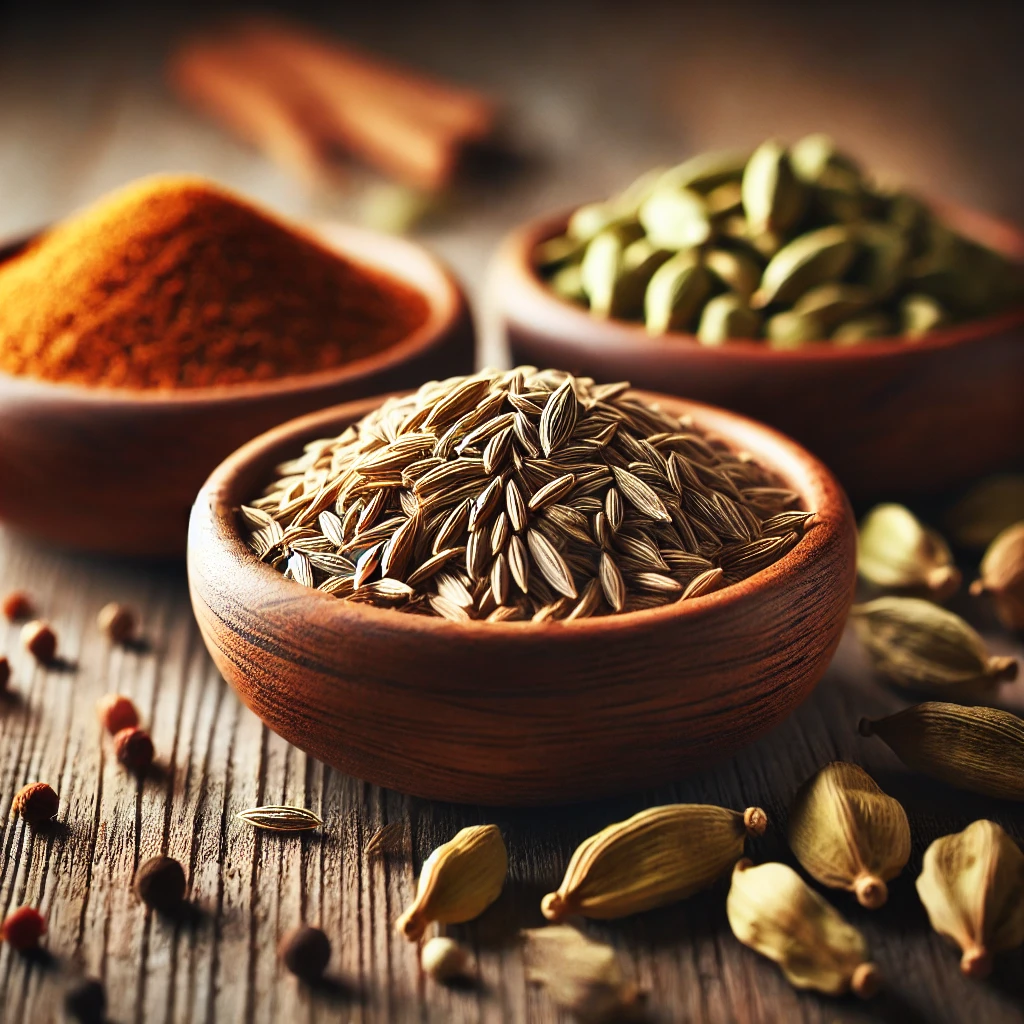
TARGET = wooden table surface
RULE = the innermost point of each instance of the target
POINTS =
(85, 111)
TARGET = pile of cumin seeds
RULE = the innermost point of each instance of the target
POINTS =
(521, 495)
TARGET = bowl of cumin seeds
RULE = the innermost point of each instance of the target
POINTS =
(521, 587)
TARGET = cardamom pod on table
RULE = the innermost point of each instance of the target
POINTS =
(458, 881)
(774, 912)
(848, 834)
(656, 857)
(972, 885)
(1002, 576)
(895, 552)
(580, 975)
(986, 510)
(920, 646)
(978, 749)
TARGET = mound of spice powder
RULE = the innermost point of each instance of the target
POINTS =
(175, 283)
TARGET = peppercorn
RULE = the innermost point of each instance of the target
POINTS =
(134, 749)
(87, 1001)
(37, 803)
(117, 622)
(117, 712)
(5, 673)
(17, 606)
(160, 884)
(305, 951)
(23, 928)
(40, 641)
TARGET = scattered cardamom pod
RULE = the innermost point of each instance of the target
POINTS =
(458, 881)
(580, 976)
(1002, 576)
(773, 196)
(972, 885)
(895, 552)
(388, 839)
(656, 857)
(920, 646)
(974, 748)
(986, 510)
(819, 256)
(677, 290)
(279, 818)
(727, 318)
(848, 834)
(774, 912)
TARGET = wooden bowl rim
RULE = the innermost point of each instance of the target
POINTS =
(576, 326)
(218, 503)
(388, 255)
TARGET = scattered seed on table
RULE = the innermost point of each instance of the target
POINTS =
(134, 749)
(160, 884)
(117, 712)
(117, 622)
(305, 951)
(40, 641)
(17, 606)
(36, 803)
(23, 928)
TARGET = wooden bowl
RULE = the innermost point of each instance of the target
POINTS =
(520, 713)
(116, 470)
(890, 418)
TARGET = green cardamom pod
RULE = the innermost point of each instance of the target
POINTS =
(920, 314)
(987, 509)
(773, 196)
(790, 329)
(869, 327)
(920, 646)
(727, 318)
(725, 200)
(568, 283)
(896, 552)
(814, 258)
(738, 271)
(848, 834)
(590, 220)
(628, 202)
(774, 912)
(907, 213)
(602, 273)
(833, 303)
(974, 748)
(554, 253)
(813, 156)
(675, 218)
(676, 292)
(1002, 576)
(972, 885)
(705, 171)
(882, 262)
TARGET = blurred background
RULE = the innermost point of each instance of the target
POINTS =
(589, 94)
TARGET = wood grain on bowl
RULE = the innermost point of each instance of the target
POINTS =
(116, 470)
(890, 418)
(520, 713)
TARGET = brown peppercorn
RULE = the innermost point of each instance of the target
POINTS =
(17, 606)
(37, 803)
(40, 641)
(134, 749)
(117, 622)
(117, 712)
(86, 1002)
(23, 928)
(160, 884)
(305, 951)
(5, 673)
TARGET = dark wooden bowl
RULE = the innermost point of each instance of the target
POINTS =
(116, 470)
(520, 713)
(890, 418)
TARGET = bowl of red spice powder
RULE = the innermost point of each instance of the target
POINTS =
(144, 339)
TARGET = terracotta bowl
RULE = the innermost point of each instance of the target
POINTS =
(520, 713)
(116, 470)
(890, 418)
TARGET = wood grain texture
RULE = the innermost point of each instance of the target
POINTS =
(953, 398)
(521, 713)
(130, 462)
(215, 759)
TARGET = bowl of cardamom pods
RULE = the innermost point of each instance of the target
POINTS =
(521, 587)
(785, 284)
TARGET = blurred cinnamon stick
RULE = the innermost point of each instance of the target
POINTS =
(297, 98)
